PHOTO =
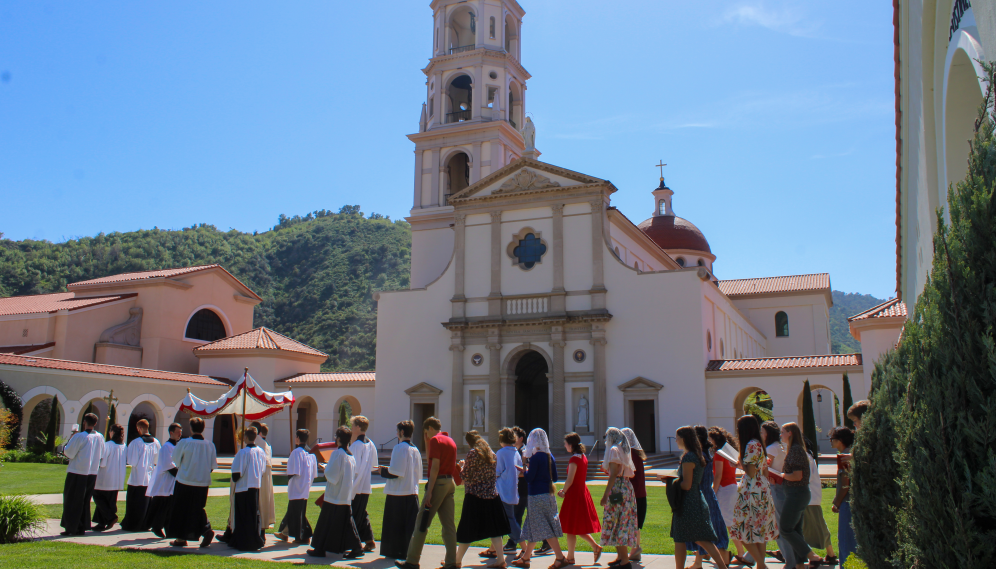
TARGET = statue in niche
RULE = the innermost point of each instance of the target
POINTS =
(479, 412)
(529, 134)
(583, 412)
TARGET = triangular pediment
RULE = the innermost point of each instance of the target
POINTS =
(423, 389)
(526, 175)
(640, 383)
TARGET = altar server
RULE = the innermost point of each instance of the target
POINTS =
(267, 505)
(195, 458)
(247, 472)
(143, 452)
(335, 530)
(401, 489)
(84, 451)
(365, 454)
(110, 479)
(302, 469)
(163, 478)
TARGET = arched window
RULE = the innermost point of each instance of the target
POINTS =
(680, 261)
(701, 263)
(781, 325)
(457, 175)
(708, 341)
(460, 93)
(662, 208)
(492, 27)
(205, 325)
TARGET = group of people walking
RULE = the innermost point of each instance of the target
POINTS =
(511, 492)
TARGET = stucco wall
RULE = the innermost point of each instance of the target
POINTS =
(808, 315)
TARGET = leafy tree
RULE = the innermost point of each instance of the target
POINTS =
(760, 405)
(345, 412)
(53, 425)
(809, 417)
(848, 401)
(12, 402)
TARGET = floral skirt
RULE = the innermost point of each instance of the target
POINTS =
(542, 519)
(619, 523)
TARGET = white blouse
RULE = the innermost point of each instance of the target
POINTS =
(195, 458)
(339, 478)
(406, 464)
(111, 475)
(84, 451)
(162, 480)
(250, 463)
(142, 457)
(302, 467)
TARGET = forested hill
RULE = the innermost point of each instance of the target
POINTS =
(316, 273)
(847, 304)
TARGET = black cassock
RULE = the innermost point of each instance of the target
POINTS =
(136, 509)
(187, 519)
(400, 513)
(295, 523)
(156, 516)
(335, 530)
(76, 495)
(247, 535)
(105, 511)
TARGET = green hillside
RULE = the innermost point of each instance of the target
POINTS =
(316, 273)
(847, 304)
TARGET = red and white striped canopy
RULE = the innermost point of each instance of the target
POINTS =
(245, 398)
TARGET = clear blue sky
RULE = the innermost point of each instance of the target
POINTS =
(776, 118)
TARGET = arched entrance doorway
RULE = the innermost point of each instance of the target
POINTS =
(532, 392)
(825, 407)
(143, 410)
(37, 414)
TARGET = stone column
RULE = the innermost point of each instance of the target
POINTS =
(417, 202)
(494, 298)
(597, 247)
(456, 387)
(460, 238)
(494, 385)
(475, 168)
(558, 298)
(559, 419)
(601, 414)
(434, 165)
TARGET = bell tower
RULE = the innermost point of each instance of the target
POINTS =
(471, 120)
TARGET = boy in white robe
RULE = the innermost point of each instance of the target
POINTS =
(84, 451)
(163, 479)
(302, 469)
(110, 480)
(247, 472)
(365, 453)
(143, 452)
(195, 458)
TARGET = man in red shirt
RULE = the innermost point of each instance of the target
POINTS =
(444, 477)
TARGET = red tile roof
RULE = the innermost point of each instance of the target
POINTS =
(51, 303)
(829, 360)
(85, 367)
(349, 376)
(18, 350)
(157, 274)
(794, 283)
(892, 308)
(259, 339)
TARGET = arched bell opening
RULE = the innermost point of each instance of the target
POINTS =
(459, 95)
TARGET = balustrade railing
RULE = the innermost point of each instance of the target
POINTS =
(533, 305)
(462, 48)
(459, 116)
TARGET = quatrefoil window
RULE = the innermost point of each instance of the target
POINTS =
(527, 248)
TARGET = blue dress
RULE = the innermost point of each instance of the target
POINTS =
(715, 514)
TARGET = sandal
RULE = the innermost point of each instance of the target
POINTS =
(522, 564)
(569, 560)
(488, 554)
(559, 564)
(598, 552)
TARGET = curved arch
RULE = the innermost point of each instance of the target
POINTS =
(157, 422)
(516, 353)
(308, 419)
(42, 390)
(96, 398)
(739, 399)
(462, 22)
(958, 109)
(458, 98)
(453, 151)
(823, 424)
(30, 400)
(781, 324)
(212, 308)
(354, 405)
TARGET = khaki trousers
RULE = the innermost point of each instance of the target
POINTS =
(442, 504)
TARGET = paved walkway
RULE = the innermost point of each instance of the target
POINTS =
(432, 555)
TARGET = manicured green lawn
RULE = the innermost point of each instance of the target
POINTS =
(28, 478)
(656, 529)
(49, 554)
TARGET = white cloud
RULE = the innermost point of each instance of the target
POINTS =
(787, 19)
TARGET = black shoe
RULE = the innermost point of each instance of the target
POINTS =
(405, 565)
(207, 539)
(158, 533)
(99, 528)
(354, 554)
(545, 550)
(67, 533)
(316, 553)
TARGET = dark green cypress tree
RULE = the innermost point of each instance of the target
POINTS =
(809, 417)
(848, 401)
(53, 425)
(874, 492)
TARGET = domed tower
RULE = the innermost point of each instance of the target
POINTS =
(676, 235)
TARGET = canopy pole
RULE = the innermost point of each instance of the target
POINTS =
(243, 441)
(290, 423)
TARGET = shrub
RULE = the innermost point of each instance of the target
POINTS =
(34, 456)
(20, 518)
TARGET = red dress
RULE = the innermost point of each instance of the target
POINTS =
(578, 515)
